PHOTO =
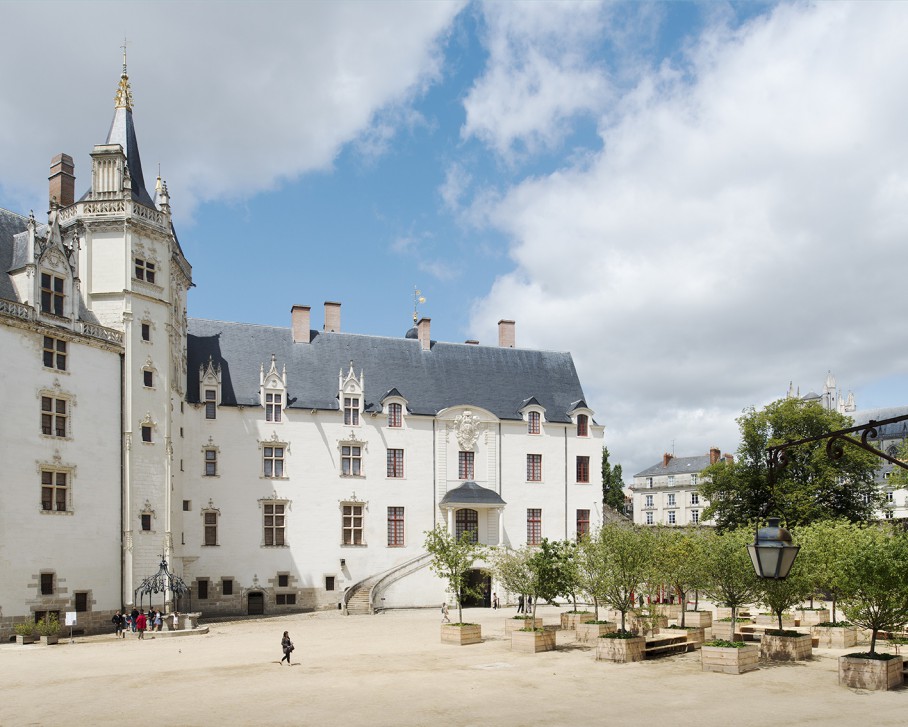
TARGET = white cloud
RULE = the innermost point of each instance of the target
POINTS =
(743, 226)
(231, 98)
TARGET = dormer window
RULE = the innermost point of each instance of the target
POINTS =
(210, 387)
(273, 407)
(533, 419)
(351, 410)
(350, 391)
(394, 415)
(273, 390)
(145, 270)
(211, 404)
(583, 425)
(52, 294)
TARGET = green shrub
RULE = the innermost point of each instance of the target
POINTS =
(836, 624)
(875, 656)
(26, 628)
(619, 635)
(48, 626)
(782, 632)
(722, 644)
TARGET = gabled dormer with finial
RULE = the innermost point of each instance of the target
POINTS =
(351, 391)
(273, 391)
(210, 387)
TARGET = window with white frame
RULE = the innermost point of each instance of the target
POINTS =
(273, 405)
(583, 469)
(649, 518)
(211, 403)
(648, 501)
(352, 524)
(274, 522)
(54, 353)
(694, 498)
(534, 526)
(693, 480)
(54, 490)
(351, 410)
(54, 416)
(145, 270)
(211, 462)
(890, 496)
(649, 481)
(395, 527)
(210, 525)
(395, 463)
(671, 517)
(52, 296)
(671, 480)
(395, 412)
(533, 419)
(888, 513)
(465, 465)
(145, 430)
(583, 425)
(273, 461)
(534, 468)
(695, 517)
(671, 499)
(351, 460)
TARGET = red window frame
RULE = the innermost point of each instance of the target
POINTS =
(395, 527)
(583, 425)
(395, 463)
(465, 465)
(533, 419)
(583, 468)
(394, 415)
(534, 526)
(466, 520)
(583, 523)
(534, 468)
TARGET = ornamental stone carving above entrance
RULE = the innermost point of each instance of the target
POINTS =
(467, 428)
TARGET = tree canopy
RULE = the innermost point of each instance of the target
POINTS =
(612, 483)
(811, 487)
(452, 559)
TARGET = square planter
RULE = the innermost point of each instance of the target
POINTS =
(723, 630)
(644, 622)
(871, 673)
(570, 619)
(770, 619)
(728, 660)
(587, 633)
(725, 612)
(813, 617)
(461, 635)
(532, 642)
(834, 637)
(25, 639)
(703, 619)
(49, 640)
(515, 624)
(786, 648)
(620, 650)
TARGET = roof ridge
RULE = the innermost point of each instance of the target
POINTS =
(16, 214)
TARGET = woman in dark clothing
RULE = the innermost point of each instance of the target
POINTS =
(287, 646)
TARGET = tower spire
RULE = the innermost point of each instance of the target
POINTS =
(123, 99)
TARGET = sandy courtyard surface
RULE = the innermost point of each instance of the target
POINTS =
(392, 669)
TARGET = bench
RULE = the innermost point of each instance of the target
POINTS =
(660, 645)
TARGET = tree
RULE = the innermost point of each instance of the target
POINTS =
(612, 484)
(566, 552)
(730, 578)
(452, 559)
(824, 546)
(810, 487)
(627, 558)
(780, 595)
(590, 562)
(875, 580)
(679, 561)
(535, 571)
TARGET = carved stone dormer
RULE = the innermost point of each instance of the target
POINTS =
(210, 382)
(273, 390)
(351, 392)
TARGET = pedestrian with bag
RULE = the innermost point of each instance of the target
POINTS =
(288, 647)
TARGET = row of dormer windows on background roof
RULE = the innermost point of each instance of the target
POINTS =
(671, 481)
(534, 424)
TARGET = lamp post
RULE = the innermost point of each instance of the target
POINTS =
(773, 552)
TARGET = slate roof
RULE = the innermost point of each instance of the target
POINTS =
(469, 493)
(677, 466)
(888, 431)
(11, 225)
(449, 374)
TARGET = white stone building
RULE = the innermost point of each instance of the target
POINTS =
(272, 468)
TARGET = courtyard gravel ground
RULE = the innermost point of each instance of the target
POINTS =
(392, 669)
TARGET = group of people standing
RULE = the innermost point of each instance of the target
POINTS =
(140, 622)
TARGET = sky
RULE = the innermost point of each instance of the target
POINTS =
(702, 202)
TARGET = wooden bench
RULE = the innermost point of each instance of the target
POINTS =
(661, 645)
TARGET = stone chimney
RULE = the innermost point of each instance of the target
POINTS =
(332, 316)
(506, 335)
(62, 180)
(714, 454)
(422, 333)
(299, 323)
(666, 458)
(729, 458)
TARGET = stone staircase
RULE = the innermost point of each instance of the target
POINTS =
(360, 598)
(360, 602)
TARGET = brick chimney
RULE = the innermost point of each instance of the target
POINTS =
(422, 333)
(62, 180)
(299, 323)
(506, 335)
(714, 454)
(729, 458)
(666, 458)
(332, 316)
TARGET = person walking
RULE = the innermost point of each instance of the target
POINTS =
(520, 603)
(118, 621)
(158, 621)
(141, 623)
(288, 647)
(133, 616)
(445, 618)
(494, 601)
(176, 620)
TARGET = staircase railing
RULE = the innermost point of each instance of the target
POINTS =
(395, 574)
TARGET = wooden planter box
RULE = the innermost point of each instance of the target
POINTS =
(834, 637)
(25, 639)
(570, 619)
(728, 660)
(770, 619)
(49, 640)
(515, 624)
(461, 635)
(588, 633)
(725, 612)
(786, 648)
(532, 642)
(871, 673)
(696, 635)
(620, 650)
(671, 610)
(812, 618)
(640, 623)
(703, 619)
(723, 630)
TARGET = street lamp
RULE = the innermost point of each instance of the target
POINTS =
(772, 552)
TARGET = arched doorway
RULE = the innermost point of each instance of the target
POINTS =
(479, 584)
(255, 603)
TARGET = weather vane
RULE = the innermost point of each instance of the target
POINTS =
(417, 299)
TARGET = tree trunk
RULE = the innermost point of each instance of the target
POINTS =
(533, 620)
(683, 597)
(734, 621)
(697, 599)
(780, 619)
(833, 608)
(873, 640)
(596, 607)
(622, 622)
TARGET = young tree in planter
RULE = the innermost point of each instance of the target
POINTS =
(781, 595)
(730, 578)
(452, 559)
(590, 563)
(678, 561)
(823, 547)
(875, 580)
(568, 570)
(512, 569)
(530, 570)
(627, 559)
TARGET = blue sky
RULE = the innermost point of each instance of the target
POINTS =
(701, 201)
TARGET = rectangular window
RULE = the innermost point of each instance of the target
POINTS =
(53, 416)
(227, 587)
(583, 425)
(146, 522)
(889, 495)
(351, 460)
(187, 505)
(534, 526)
(51, 294)
(283, 580)
(671, 499)
(54, 353)
(533, 422)
(649, 518)
(671, 480)
(211, 404)
(888, 514)
(351, 410)
(353, 525)
(274, 461)
(583, 469)
(395, 463)
(47, 584)
(274, 523)
(648, 501)
(394, 415)
(81, 601)
(671, 517)
(146, 332)
(145, 270)
(693, 480)
(211, 528)
(273, 407)
(694, 498)
(211, 462)
(534, 468)
(285, 599)
(329, 583)
(146, 433)
(465, 465)
(148, 377)
(583, 523)
(695, 516)
(395, 527)
(54, 490)
(202, 589)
